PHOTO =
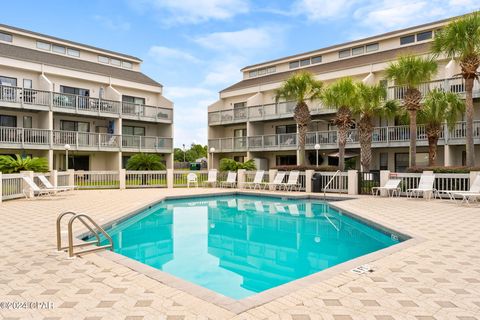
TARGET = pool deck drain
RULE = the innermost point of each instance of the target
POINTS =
(436, 278)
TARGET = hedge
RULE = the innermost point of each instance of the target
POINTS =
(303, 168)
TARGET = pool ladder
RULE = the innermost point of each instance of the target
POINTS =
(328, 184)
(91, 225)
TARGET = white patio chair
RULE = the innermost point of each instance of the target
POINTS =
(231, 180)
(48, 185)
(192, 180)
(292, 181)
(425, 187)
(37, 191)
(471, 195)
(257, 181)
(212, 178)
(278, 180)
(392, 185)
(293, 208)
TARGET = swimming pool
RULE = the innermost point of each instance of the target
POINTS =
(240, 245)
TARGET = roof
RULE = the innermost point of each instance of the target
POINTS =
(26, 54)
(350, 43)
(366, 59)
(68, 41)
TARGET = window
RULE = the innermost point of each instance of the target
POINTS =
(383, 161)
(103, 59)
(357, 51)
(294, 64)
(239, 158)
(371, 47)
(407, 39)
(253, 73)
(73, 52)
(77, 91)
(290, 160)
(424, 35)
(5, 37)
(58, 49)
(67, 125)
(289, 128)
(305, 62)
(8, 121)
(344, 53)
(239, 105)
(271, 69)
(133, 131)
(8, 81)
(261, 72)
(316, 59)
(133, 100)
(126, 64)
(27, 121)
(27, 84)
(43, 45)
(115, 62)
(240, 133)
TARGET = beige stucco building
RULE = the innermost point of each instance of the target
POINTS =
(55, 92)
(246, 123)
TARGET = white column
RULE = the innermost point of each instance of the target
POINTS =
(71, 177)
(54, 178)
(170, 178)
(308, 180)
(352, 182)
(1, 191)
(271, 176)
(241, 178)
(30, 193)
(473, 175)
(447, 155)
(122, 177)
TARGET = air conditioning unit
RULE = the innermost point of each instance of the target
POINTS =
(261, 163)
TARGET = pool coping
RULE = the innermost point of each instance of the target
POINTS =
(239, 306)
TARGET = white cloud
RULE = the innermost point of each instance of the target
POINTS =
(222, 74)
(188, 92)
(115, 24)
(246, 39)
(194, 11)
(322, 9)
(163, 54)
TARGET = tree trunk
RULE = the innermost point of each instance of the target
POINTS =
(302, 132)
(469, 146)
(433, 134)
(412, 161)
(365, 128)
(342, 141)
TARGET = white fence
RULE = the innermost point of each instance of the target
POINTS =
(96, 179)
(146, 179)
(443, 181)
(338, 184)
(12, 186)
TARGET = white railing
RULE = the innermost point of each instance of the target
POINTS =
(146, 111)
(338, 181)
(456, 85)
(460, 130)
(63, 178)
(443, 181)
(96, 179)
(250, 176)
(146, 179)
(180, 177)
(39, 182)
(12, 186)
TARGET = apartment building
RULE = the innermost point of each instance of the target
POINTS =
(246, 123)
(56, 94)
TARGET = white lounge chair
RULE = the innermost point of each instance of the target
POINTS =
(472, 194)
(425, 187)
(292, 181)
(391, 187)
(37, 191)
(293, 208)
(259, 206)
(212, 178)
(257, 181)
(231, 180)
(278, 180)
(192, 180)
(48, 185)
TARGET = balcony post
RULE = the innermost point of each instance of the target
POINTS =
(156, 114)
(76, 139)
(156, 144)
(99, 142)
(76, 104)
(23, 138)
(263, 142)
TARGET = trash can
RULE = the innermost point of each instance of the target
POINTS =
(317, 182)
(195, 166)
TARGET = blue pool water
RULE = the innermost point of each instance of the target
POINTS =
(242, 245)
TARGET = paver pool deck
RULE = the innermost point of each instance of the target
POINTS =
(436, 278)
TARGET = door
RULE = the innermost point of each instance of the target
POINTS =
(240, 140)
(79, 162)
(8, 90)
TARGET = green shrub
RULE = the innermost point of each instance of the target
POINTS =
(303, 168)
(145, 162)
(227, 164)
(440, 169)
(9, 164)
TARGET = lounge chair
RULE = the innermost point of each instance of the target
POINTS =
(192, 180)
(48, 185)
(37, 191)
(472, 194)
(392, 186)
(257, 181)
(293, 208)
(231, 180)
(292, 181)
(278, 180)
(425, 187)
(212, 178)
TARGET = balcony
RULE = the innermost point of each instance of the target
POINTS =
(22, 138)
(456, 85)
(262, 112)
(16, 97)
(392, 136)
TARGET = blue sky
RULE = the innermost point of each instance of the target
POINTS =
(197, 47)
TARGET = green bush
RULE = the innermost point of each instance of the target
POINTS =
(227, 164)
(303, 168)
(9, 164)
(145, 162)
(440, 169)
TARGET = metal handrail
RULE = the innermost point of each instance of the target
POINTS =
(328, 183)
(86, 221)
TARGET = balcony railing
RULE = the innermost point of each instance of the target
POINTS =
(382, 136)
(57, 139)
(261, 112)
(47, 100)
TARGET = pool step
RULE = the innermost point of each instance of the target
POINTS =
(91, 225)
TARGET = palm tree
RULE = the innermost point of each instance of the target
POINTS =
(372, 103)
(300, 87)
(145, 162)
(9, 164)
(343, 96)
(460, 40)
(439, 107)
(409, 72)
